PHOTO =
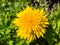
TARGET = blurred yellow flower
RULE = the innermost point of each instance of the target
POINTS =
(31, 23)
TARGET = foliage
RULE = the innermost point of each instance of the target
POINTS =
(8, 10)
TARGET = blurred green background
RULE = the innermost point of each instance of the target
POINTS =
(8, 10)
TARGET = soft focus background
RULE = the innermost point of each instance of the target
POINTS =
(8, 10)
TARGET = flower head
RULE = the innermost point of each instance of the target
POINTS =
(31, 23)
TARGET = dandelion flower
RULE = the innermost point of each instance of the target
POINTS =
(31, 23)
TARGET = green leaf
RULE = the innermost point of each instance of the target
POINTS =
(20, 43)
(58, 23)
(50, 35)
(10, 42)
(58, 43)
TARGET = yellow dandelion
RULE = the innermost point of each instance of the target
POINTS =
(31, 23)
